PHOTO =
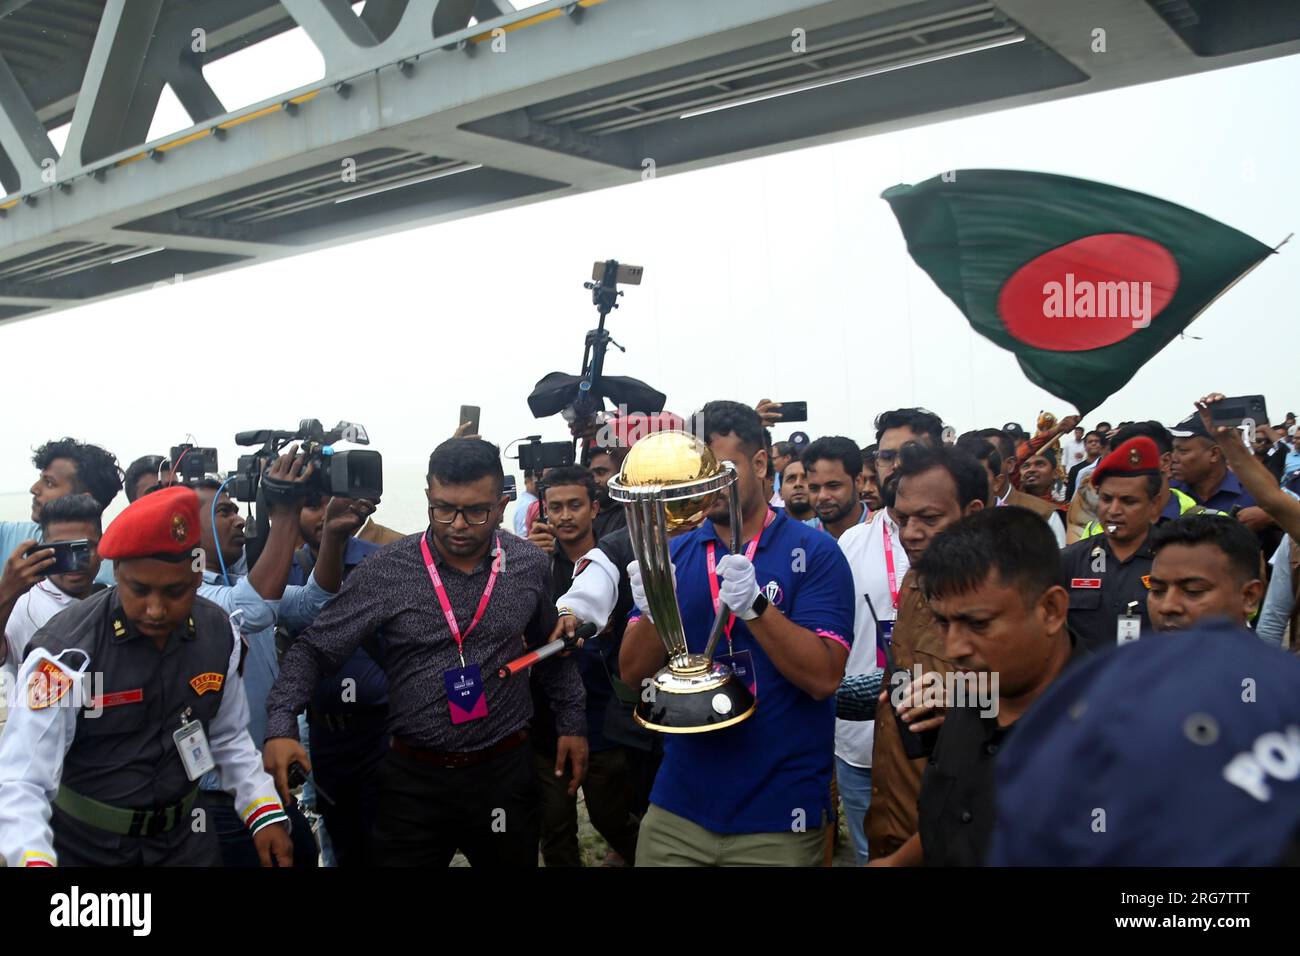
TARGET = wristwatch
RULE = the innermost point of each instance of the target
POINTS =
(758, 607)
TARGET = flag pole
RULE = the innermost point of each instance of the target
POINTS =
(1249, 269)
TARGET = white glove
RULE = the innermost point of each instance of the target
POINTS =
(739, 585)
(638, 589)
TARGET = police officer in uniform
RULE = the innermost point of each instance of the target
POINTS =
(1107, 575)
(105, 772)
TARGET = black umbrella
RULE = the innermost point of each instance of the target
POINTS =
(558, 390)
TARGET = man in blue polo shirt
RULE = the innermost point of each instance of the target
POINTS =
(757, 793)
(1201, 470)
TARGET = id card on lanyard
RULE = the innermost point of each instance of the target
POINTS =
(464, 684)
(741, 662)
(885, 629)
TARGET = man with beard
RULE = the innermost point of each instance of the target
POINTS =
(756, 793)
(66, 467)
(604, 465)
(834, 469)
(870, 481)
(896, 428)
(794, 492)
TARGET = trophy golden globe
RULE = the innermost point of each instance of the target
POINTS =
(668, 483)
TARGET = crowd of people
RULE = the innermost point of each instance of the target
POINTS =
(1059, 647)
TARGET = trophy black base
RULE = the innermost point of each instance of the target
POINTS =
(695, 704)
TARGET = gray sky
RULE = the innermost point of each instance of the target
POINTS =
(782, 277)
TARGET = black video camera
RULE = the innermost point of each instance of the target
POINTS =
(355, 473)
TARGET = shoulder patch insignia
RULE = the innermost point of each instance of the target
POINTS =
(1146, 581)
(203, 683)
(47, 684)
(582, 565)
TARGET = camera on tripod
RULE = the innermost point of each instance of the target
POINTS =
(356, 473)
(580, 399)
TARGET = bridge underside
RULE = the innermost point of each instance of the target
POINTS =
(435, 109)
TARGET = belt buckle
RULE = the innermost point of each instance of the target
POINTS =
(150, 826)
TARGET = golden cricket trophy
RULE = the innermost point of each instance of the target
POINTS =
(668, 483)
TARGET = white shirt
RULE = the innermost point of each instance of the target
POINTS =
(1055, 521)
(864, 547)
(1072, 452)
(40, 603)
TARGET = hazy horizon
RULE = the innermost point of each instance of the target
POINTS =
(783, 277)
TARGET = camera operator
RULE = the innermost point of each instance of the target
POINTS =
(568, 535)
(258, 602)
(67, 467)
(458, 774)
(349, 711)
(27, 600)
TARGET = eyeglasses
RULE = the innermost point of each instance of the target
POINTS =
(474, 514)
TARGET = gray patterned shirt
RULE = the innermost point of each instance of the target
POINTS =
(389, 602)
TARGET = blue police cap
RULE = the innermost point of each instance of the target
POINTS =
(1180, 749)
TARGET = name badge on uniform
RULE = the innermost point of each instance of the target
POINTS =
(742, 665)
(1128, 629)
(1090, 583)
(192, 745)
(465, 697)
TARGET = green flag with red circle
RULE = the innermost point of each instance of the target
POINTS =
(1084, 282)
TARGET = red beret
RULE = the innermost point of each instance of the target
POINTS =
(1137, 456)
(165, 522)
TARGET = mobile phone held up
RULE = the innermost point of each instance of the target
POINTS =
(793, 411)
(469, 413)
(1231, 412)
(69, 556)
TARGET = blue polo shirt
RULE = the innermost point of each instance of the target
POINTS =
(1228, 494)
(756, 776)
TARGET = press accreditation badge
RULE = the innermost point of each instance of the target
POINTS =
(1128, 629)
(742, 665)
(465, 697)
(192, 744)
(884, 641)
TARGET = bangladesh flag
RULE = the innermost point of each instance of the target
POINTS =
(1084, 282)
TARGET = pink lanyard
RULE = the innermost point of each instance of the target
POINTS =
(436, 578)
(889, 563)
(750, 551)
